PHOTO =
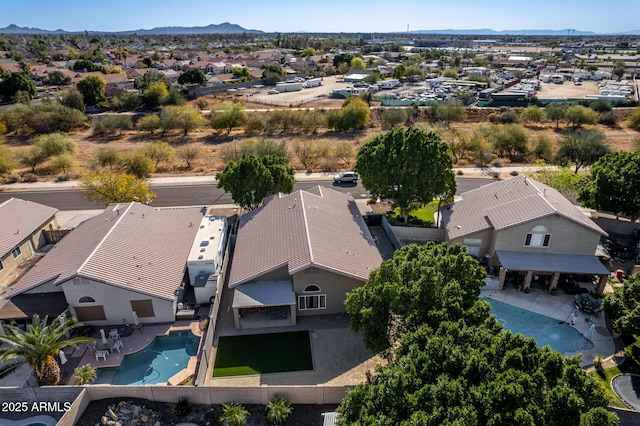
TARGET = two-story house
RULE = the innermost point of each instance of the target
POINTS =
(522, 225)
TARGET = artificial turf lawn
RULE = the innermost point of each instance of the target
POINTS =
(263, 353)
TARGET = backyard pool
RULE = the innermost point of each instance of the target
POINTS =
(546, 331)
(163, 358)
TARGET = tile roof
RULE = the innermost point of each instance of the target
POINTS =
(506, 203)
(19, 219)
(131, 246)
(319, 227)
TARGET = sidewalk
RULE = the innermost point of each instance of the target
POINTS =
(211, 180)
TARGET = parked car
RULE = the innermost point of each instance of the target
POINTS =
(344, 177)
(272, 92)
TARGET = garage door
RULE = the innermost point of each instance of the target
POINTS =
(90, 313)
(143, 308)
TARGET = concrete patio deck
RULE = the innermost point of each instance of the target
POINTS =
(558, 307)
(137, 341)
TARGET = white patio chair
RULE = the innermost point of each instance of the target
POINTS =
(117, 345)
(102, 354)
(113, 334)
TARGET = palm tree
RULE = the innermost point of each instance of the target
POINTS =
(38, 344)
(278, 410)
(84, 375)
(234, 414)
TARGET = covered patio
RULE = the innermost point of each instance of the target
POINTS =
(550, 264)
(264, 304)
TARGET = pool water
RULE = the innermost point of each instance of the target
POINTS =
(546, 331)
(163, 358)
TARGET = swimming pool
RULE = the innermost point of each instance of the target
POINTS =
(546, 331)
(164, 357)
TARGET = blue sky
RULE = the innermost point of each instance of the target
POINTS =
(325, 15)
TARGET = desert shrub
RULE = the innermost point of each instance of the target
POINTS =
(111, 124)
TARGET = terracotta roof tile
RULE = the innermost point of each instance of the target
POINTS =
(319, 227)
(132, 246)
(19, 219)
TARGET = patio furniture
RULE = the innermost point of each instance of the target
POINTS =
(113, 333)
(92, 347)
(117, 345)
(588, 305)
(105, 345)
(101, 354)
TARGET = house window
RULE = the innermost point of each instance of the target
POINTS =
(316, 301)
(86, 299)
(16, 252)
(538, 237)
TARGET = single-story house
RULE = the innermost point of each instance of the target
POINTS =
(22, 226)
(131, 257)
(299, 254)
(522, 225)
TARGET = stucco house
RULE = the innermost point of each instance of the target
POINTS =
(299, 254)
(21, 231)
(522, 225)
(131, 257)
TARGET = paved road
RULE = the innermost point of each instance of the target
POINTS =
(189, 195)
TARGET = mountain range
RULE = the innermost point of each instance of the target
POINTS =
(227, 28)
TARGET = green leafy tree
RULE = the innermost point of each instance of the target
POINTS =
(556, 112)
(392, 117)
(144, 82)
(341, 58)
(107, 156)
(568, 183)
(63, 162)
(158, 152)
(454, 373)
(252, 179)
(582, 148)
(54, 144)
(419, 285)
(449, 112)
(633, 122)
(599, 416)
(155, 94)
(413, 72)
(73, 99)
(353, 114)
(7, 163)
(193, 76)
(110, 186)
(532, 114)
(183, 117)
(623, 306)
(139, 165)
(241, 74)
(577, 116)
(278, 411)
(615, 184)
(84, 375)
(39, 343)
(358, 64)
(125, 101)
(228, 116)
(451, 73)
(234, 414)
(111, 124)
(58, 78)
(92, 88)
(53, 117)
(345, 152)
(16, 83)
(511, 141)
(408, 166)
(149, 123)
(272, 74)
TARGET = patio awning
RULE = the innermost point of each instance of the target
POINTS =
(25, 306)
(264, 293)
(551, 262)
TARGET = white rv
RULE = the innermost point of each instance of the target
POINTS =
(204, 263)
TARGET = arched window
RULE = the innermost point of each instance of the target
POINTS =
(86, 299)
(313, 301)
(538, 237)
(311, 288)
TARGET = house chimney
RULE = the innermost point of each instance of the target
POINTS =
(544, 192)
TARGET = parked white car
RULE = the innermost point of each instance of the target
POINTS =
(343, 177)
